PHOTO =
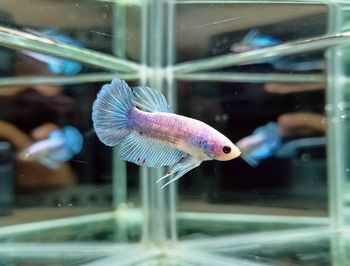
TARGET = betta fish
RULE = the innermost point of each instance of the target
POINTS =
(261, 144)
(60, 146)
(148, 133)
(58, 66)
(254, 40)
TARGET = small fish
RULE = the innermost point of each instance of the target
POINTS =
(148, 133)
(58, 66)
(60, 146)
(264, 142)
(254, 40)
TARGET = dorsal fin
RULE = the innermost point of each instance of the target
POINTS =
(150, 100)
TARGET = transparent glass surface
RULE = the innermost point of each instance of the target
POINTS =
(271, 74)
(55, 59)
(237, 99)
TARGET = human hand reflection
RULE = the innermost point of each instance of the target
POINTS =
(301, 124)
(298, 123)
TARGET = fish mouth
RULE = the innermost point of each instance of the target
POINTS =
(238, 155)
(237, 152)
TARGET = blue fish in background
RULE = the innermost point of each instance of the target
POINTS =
(254, 40)
(57, 66)
(263, 143)
(60, 146)
(285, 64)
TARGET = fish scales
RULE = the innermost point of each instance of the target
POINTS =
(176, 130)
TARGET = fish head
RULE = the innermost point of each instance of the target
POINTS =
(224, 150)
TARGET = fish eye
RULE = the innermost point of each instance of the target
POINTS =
(226, 149)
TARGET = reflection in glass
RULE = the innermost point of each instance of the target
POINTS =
(237, 66)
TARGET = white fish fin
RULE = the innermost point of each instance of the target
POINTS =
(148, 152)
(48, 162)
(252, 34)
(150, 100)
(62, 154)
(110, 112)
(253, 162)
(185, 165)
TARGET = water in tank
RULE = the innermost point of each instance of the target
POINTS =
(271, 76)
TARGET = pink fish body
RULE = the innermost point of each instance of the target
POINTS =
(148, 133)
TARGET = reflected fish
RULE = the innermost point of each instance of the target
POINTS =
(148, 133)
(60, 146)
(56, 65)
(254, 40)
(261, 144)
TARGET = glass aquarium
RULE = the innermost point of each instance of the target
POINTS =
(272, 76)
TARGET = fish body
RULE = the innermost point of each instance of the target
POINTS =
(180, 132)
(43, 147)
(61, 145)
(148, 133)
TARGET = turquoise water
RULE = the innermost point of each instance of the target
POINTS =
(292, 209)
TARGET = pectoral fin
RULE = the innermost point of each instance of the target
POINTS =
(185, 165)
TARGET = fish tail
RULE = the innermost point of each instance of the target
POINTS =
(73, 139)
(111, 111)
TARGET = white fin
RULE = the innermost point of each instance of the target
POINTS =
(185, 165)
(148, 152)
(150, 100)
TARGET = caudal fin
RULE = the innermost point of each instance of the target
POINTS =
(73, 139)
(70, 143)
(110, 112)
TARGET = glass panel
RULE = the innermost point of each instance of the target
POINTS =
(91, 41)
(282, 97)
(270, 75)
(51, 70)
